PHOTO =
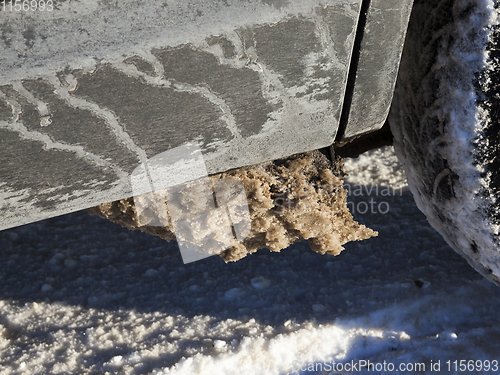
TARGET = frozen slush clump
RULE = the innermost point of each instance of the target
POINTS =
(300, 197)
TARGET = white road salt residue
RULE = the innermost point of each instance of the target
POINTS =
(123, 302)
(79, 34)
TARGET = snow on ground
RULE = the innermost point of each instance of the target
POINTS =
(82, 295)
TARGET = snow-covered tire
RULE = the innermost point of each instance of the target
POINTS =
(445, 121)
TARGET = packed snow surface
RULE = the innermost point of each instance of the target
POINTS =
(79, 294)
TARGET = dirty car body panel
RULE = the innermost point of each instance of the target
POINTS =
(89, 91)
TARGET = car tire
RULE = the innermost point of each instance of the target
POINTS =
(445, 121)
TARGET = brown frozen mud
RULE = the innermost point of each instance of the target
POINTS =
(300, 197)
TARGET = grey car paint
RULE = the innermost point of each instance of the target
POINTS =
(91, 90)
(375, 69)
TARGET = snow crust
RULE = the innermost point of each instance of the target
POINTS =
(271, 205)
(81, 295)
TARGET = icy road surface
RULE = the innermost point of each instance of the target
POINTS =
(82, 295)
